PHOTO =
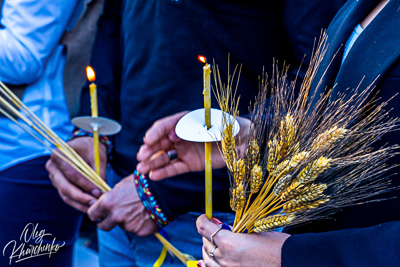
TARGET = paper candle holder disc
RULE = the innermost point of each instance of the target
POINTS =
(191, 127)
(104, 126)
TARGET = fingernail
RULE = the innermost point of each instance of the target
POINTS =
(216, 221)
(198, 264)
(96, 192)
(144, 139)
(92, 202)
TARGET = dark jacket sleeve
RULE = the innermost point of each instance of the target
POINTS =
(374, 246)
(106, 62)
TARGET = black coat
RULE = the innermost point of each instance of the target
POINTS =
(374, 55)
(145, 58)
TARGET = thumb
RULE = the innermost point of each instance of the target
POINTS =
(173, 137)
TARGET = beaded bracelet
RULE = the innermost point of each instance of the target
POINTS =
(142, 187)
(103, 139)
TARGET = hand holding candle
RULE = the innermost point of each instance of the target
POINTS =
(93, 100)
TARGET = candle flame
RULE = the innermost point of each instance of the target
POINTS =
(202, 59)
(90, 74)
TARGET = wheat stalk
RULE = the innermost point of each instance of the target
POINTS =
(303, 162)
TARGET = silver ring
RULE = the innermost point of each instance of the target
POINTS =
(214, 234)
(212, 253)
(172, 154)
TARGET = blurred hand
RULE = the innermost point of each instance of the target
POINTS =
(235, 249)
(122, 206)
(73, 187)
(161, 137)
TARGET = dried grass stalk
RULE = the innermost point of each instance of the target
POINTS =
(303, 159)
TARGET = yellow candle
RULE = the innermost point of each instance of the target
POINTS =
(207, 146)
(207, 94)
(93, 101)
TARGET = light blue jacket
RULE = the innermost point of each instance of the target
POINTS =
(31, 53)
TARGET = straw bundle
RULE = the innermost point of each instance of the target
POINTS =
(13, 108)
(303, 164)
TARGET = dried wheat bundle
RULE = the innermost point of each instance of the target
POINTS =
(13, 108)
(303, 162)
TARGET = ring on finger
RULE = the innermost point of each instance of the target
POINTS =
(172, 154)
(212, 253)
(213, 235)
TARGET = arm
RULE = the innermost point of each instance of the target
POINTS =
(76, 190)
(31, 31)
(373, 246)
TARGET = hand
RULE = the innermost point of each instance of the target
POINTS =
(161, 137)
(235, 249)
(122, 206)
(73, 187)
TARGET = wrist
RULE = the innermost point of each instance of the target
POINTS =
(104, 140)
(148, 200)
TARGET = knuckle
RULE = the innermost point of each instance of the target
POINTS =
(106, 202)
(200, 229)
(63, 192)
(90, 214)
(65, 198)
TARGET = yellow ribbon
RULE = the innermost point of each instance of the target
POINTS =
(161, 259)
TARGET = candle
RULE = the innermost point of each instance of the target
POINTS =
(93, 101)
(207, 145)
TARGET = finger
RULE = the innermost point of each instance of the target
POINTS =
(75, 204)
(162, 128)
(158, 160)
(207, 259)
(107, 224)
(173, 137)
(71, 194)
(208, 246)
(207, 228)
(72, 175)
(98, 209)
(146, 151)
(173, 169)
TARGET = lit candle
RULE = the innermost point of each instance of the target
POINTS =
(207, 145)
(93, 100)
